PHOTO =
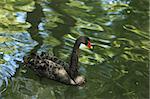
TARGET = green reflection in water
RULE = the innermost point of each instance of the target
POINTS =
(116, 68)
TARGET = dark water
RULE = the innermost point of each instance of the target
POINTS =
(116, 68)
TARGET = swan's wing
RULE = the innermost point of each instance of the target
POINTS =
(61, 63)
(49, 67)
(56, 71)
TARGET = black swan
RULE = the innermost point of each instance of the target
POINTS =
(53, 68)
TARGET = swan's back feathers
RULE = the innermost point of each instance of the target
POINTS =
(49, 66)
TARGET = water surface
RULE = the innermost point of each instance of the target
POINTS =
(116, 67)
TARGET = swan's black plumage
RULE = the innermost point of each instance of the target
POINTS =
(53, 68)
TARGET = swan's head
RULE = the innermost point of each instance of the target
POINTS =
(85, 40)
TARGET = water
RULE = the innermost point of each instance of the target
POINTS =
(116, 67)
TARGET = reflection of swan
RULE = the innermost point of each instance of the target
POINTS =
(51, 67)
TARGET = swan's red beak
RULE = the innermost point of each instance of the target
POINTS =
(89, 45)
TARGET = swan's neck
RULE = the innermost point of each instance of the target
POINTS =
(74, 60)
